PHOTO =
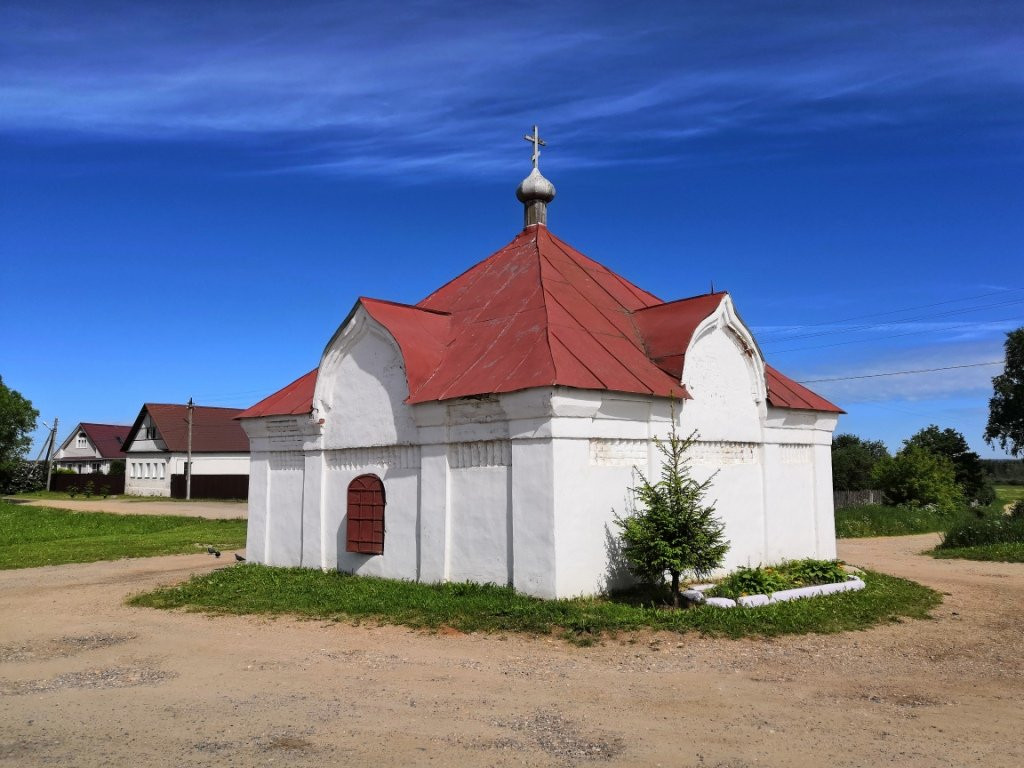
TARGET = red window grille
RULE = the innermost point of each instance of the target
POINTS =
(365, 533)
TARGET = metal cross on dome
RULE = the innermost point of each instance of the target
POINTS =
(537, 142)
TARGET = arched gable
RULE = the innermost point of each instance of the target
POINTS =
(724, 375)
(361, 387)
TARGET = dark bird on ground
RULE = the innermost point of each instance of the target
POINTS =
(213, 551)
(239, 558)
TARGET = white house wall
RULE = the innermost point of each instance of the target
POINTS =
(159, 482)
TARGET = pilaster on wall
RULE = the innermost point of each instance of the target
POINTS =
(533, 517)
(256, 530)
(312, 555)
(824, 502)
(434, 512)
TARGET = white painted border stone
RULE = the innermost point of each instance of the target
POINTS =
(696, 594)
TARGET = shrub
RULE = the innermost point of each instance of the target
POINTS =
(673, 531)
(988, 530)
(20, 476)
(917, 477)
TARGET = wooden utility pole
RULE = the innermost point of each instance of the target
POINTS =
(49, 453)
(188, 461)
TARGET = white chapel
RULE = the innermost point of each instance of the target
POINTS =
(490, 432)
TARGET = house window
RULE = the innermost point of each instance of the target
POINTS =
(365, 532)
(82, 441)
(161, 470)
(131, 470)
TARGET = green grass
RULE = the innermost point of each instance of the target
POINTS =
(1007, 493)
(1007, 552)
(32, 536)
(879, 520)
(256, 589)
(994, 537)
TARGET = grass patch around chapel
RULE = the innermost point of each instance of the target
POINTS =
(313, 594)
(32, 536)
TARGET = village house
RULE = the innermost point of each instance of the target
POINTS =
(157, 447)
(91, 448)
(490, 432)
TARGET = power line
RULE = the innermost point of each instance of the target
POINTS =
(901, 373)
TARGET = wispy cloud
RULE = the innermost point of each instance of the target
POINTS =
(391, 89)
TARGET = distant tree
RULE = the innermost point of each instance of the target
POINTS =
(17, 421)
(672, 531)
(116, 467)
(970, 472)
(917, 477)
(853, 460)
(1006, 408)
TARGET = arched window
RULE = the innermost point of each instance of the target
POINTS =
(365, 532)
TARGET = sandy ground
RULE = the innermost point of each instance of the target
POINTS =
(86, 681)
(215, 510)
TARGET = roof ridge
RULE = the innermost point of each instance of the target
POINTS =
(544, 297)
(576, 255)
(469, 269)
(405, 305)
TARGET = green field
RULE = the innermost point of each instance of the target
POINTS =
(256, 589)
(31, 536)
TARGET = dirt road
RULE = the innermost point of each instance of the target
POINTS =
(86, 681)
(214, 510)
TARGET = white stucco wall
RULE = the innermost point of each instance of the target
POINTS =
(523, 488)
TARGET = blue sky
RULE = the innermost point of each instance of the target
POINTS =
(192, 195)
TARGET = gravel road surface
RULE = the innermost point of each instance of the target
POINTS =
(87, 681)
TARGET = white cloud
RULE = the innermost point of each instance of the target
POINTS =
(436, 78)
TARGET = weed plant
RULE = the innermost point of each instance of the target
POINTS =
(764, 580)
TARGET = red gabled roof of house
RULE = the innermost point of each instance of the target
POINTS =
(538, 313)
(295, 399)
(214, 430)
(783, 392)
(108, 438)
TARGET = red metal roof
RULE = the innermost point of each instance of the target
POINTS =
(295, 399)
(667, 329)
(108, 438)
(214, 430)
(783, 392)
(539, 313)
